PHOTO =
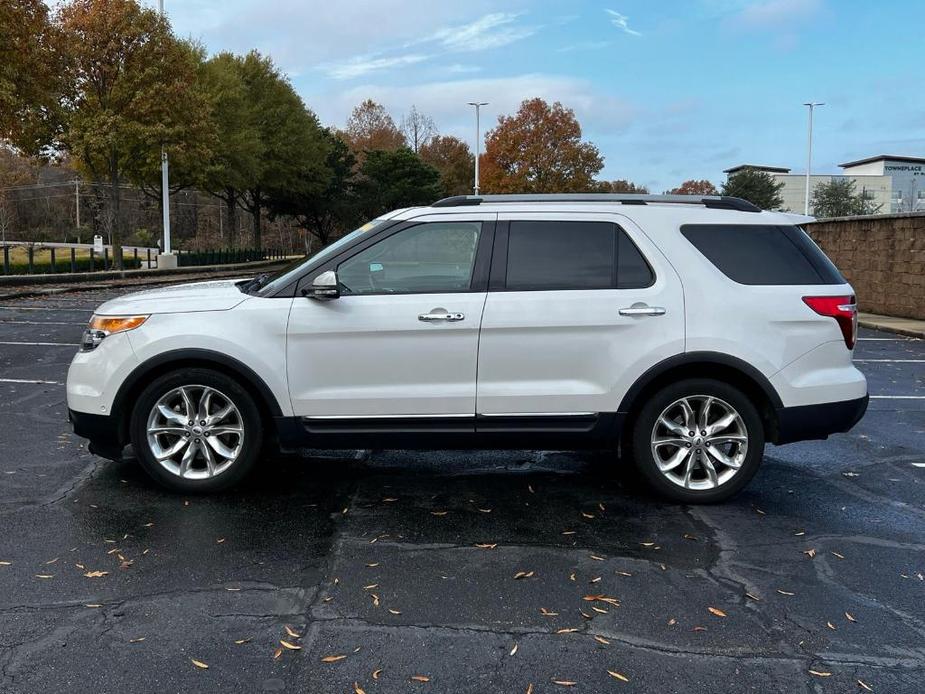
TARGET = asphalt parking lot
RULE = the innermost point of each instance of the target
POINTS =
(387, 571)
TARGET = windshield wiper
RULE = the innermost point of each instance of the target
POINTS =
(256, 283)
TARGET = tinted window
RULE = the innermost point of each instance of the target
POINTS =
(763, 254)
(434, 257)
(633, 271)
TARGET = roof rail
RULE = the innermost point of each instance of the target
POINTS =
(723, 202)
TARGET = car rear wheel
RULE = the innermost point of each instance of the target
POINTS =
(698, 441)
(196, 430)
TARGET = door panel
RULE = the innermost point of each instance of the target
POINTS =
(570, 350)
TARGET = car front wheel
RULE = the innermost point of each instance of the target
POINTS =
(698, 441)
(196, 430)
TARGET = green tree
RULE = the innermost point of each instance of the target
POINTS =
(326, 207)
(396, 178)
(127, 92)
(758, 187)
(234, 164)
(694, 187)
(538, 150)
(618, 186)
(454, 160)
(291, 141)
(30, 74)
(838, 198)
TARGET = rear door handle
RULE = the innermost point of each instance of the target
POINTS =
(642, 311)
(441, 314)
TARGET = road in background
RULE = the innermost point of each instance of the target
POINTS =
(479, 571)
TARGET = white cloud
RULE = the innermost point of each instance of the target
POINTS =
(363, 65)
(490, 31)
(774, 13)
(621, 21)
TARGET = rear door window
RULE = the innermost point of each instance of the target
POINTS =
(763, 254)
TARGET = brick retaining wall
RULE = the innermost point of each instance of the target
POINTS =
(883, 256)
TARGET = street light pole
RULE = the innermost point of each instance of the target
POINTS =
(809, 151)
(165, 180)
(478, 136)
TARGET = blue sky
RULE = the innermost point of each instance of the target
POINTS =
(667, 90)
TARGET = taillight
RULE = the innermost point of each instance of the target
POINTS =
(843, 309)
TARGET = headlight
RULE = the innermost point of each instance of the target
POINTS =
(101, 326)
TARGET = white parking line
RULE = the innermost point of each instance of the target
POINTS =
(890, 361)
(43, 344)
(897, 397)
(45, 308)
(875, 339)
(24, 380)
(38, 322)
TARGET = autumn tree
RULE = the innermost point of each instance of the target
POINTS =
(14, 171)
(758, 187)
(418, 128)
(839, 198)
(538, 150)
(618, 186)
(452, 158)
(127, 92)
(392, 179)
(694, 187)
(370, 127)
(30, 74)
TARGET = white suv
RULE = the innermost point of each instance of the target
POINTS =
(683, 332)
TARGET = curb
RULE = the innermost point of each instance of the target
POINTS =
(890, 328)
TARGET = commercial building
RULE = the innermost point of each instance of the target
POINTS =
(896, 183)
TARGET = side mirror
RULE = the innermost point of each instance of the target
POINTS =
(324, 287)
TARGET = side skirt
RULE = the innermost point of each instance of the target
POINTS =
(507, 432)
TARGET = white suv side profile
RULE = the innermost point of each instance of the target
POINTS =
(682, 332)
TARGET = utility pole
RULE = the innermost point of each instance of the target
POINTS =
(77, 205)
(478, 141)
(165, 258)
(809, 151)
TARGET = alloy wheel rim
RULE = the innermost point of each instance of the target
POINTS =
(699, 442)
(195, 432)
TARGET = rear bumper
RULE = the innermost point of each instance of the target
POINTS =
(810, 422)
(101, 430)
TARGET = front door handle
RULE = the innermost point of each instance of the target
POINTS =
(642, 311)
(441, 314)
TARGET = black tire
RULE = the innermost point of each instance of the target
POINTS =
(229, 389)
(644, 426)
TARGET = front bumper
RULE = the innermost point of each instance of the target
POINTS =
(811, 422)
(102, 431)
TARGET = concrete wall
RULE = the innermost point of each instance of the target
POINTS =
(883, 256)
(793, 192)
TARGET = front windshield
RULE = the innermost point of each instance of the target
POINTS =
(282, 277)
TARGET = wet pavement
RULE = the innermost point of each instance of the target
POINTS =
(391, 571)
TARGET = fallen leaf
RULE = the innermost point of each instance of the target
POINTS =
(547, 613)
(596, 579)
(647, 544)
(357, 689)
(618, 676)
(587, 515)
(686, 536)
(513, 650)
(596, 557)
(784, 592)
(484, 510)
(809, 553)
(439, 513)
(376, 673)
(277, 653)
(567, 630)
(850, 617)
(198, 663)
(394, 611)
(599, 610)
(331, 658)
(371, 566)
(760, 512)
(51, 561)
(568, 532)
(523, 574)
(44, 575)
(389, 499)
(601, 639)
(601, 507)
(530, 489)
(672, 622)
(242, 641)
(830, 626)
(290, 646)
(6, 563)
(371, 586)
(799, 533)
(96, 574)
(220, 540)
(716, 611)
(138, 640)
(375, 599)
(863, 686)
(529, 688)
(840, 556)
(565, 683)
(699, 629)
(753, 597)
(487, 546)
(571, 576)
(820, 673)
(92, 605)
(420, 678)
(623, 573)
(292, 632)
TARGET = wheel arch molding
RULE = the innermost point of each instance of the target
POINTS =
(192, 358)
(723, 367)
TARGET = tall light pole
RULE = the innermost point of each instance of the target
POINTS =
(809, 150)
(478, 141)
(165, 181)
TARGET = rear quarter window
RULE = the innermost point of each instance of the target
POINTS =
(763, 253)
